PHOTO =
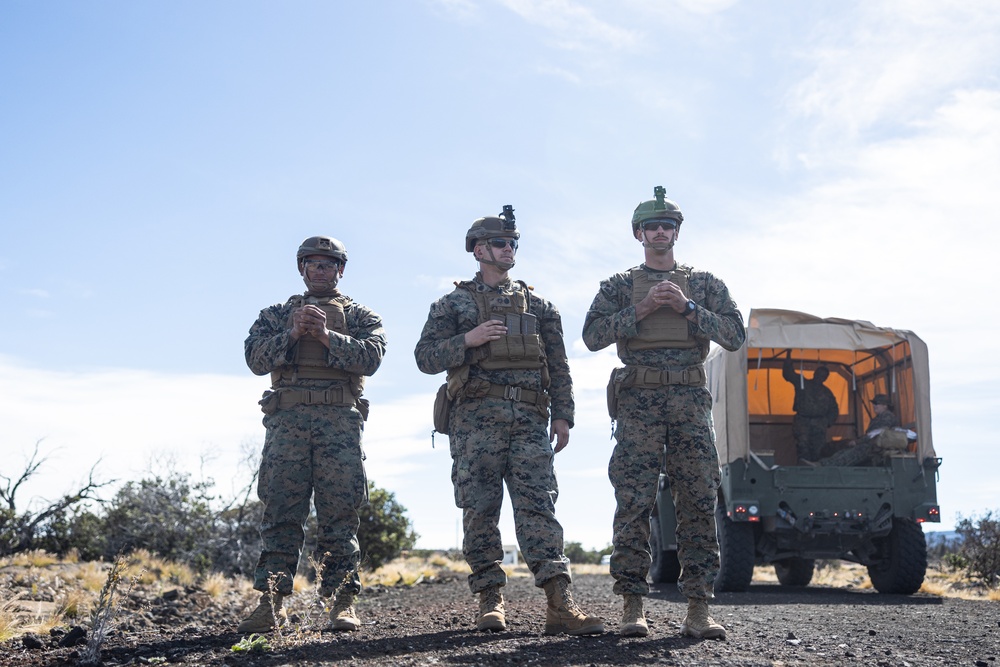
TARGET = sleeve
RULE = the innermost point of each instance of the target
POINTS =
(719, 319)
(362, 351)
(269, 346)
(441, 345)
(608, 319)
(560, 383)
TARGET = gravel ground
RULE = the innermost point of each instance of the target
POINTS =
(432, 623)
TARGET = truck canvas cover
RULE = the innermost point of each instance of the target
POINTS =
(753, 401)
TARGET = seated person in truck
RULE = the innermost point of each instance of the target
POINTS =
(866, 450)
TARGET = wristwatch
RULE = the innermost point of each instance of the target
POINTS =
(689, 308)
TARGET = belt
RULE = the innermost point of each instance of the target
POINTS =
(332, 396)
(512, 392)
(646, 377)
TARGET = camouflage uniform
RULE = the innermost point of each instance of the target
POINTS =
(670, 428)
(815, 411)
(313, 450)
(496, 440)
(865, 452)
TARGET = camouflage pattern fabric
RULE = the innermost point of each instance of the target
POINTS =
(815, 411)
(865, 452)
(670, 428)
(313, 451)
(495, 441)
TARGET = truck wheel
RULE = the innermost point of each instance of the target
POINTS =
(737, 551)
(794, 571)
(903, 561)
(666, 569)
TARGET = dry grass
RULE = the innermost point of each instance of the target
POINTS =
(10, 624)
(215, 584)
(158, 570)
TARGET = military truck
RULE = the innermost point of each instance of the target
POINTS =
(771, 509)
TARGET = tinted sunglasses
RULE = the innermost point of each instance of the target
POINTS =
(501, 243)
(650, 225)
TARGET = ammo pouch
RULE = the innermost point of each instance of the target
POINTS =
(442, 409)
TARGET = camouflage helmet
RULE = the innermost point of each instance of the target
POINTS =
(322, 245)
(659, 208)
(491, 228)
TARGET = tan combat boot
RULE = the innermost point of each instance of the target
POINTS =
(262, 618)
(343, 616)
(562, 615)
(492, 615)
(633, 619)
(699, 624)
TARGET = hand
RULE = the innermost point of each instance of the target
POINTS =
(559, 433)
(309, 320)
(485, 332)
(661, 294)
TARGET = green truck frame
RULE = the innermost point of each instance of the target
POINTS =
(771, 510)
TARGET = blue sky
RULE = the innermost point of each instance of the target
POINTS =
(161, 161)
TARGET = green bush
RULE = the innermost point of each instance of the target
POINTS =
(981, 547)
(385, 532)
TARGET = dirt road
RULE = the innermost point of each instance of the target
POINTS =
(432, 624)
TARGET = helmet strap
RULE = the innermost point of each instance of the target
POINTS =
(659, 248)
(493, 261)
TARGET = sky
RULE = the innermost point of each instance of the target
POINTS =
(160, 162)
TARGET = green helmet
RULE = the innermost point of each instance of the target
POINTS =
(491, 228)
(322, 245)
(660, 208)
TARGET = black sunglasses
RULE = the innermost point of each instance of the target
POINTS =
(500, 244)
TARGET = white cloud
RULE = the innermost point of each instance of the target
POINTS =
(572, 25)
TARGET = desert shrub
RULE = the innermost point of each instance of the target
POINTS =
(237, 538)
(73, 529)
(169, 516)
(385, 532)
(981, 547)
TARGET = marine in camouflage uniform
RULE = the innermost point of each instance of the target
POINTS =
(502, 347)
(662, 315)
(866, 450)
(815, 410)
(317, 347)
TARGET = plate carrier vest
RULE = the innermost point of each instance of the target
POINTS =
(664, 327)
(309, 362)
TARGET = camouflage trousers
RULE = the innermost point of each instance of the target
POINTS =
(496, 442)
(865, 452)
(668, 428)
(311, 451)
(810, 436)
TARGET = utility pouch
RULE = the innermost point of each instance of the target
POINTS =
(362, 405)
(442, 409)
(269, 402)
(614, 388)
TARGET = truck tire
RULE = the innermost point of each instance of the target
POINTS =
(736, 551)
(903, 564)
(794, 571)
(666, 569)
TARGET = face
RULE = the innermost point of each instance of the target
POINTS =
(880, 408)
(503, 249)
(321, 273)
